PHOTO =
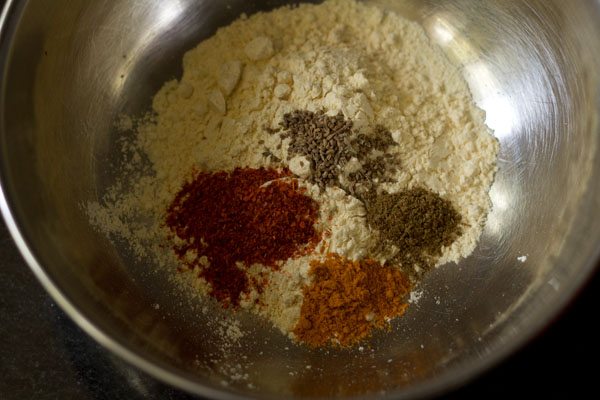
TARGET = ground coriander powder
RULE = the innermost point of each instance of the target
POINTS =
(417, 221)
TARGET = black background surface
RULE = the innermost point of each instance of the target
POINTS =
(43, 355)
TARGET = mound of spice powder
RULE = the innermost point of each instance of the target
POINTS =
(418, 222)
(347, 299)
(249, 216)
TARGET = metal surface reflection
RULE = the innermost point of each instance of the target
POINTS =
(70, 67)
(500, 114)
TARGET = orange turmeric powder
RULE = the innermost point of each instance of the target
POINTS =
(347, 299)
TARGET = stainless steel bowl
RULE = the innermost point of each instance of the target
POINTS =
(70, 67)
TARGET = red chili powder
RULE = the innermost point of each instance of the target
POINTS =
(238, 218)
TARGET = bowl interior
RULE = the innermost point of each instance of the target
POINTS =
(70, 68)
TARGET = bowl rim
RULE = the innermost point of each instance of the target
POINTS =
(454, 378)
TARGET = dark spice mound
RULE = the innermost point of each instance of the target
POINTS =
(324, 140)
(417, 221)
(247, 216)
(330, 142)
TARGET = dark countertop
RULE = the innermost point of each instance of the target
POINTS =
(43, 355)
